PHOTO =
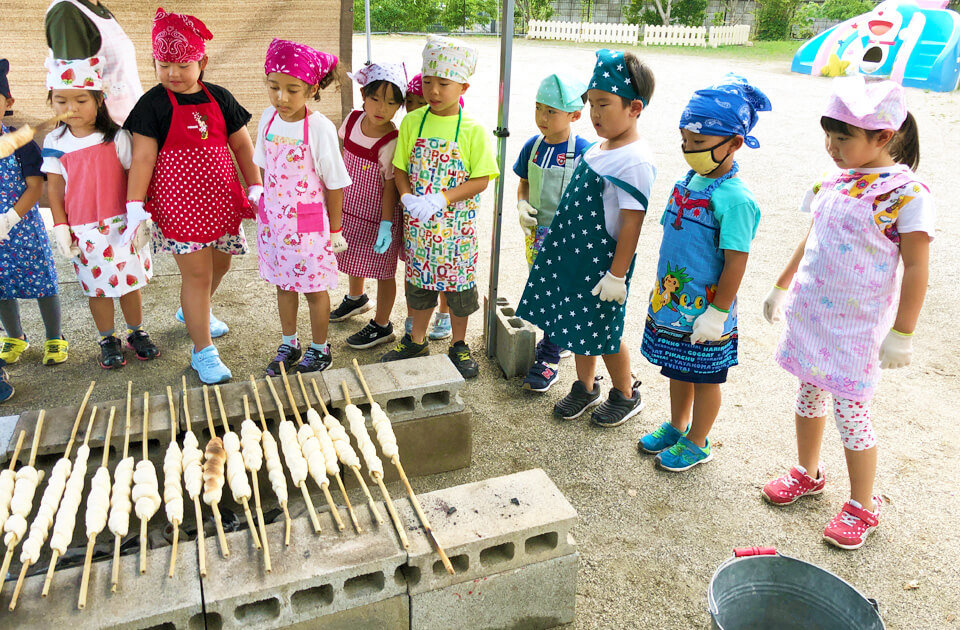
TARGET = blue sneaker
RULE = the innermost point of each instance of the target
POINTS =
(6, 387)
(662, 438)
(408, 325)
(540, 377)
(684, 455)
(441, 328)
(217, 327)
(209, 367)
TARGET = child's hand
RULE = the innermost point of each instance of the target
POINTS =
(384, 237)
(528, 215)
(435, 203)
(896, 351)
(142, 239)
(708, 326)
(61, 234)
(415, 206)
(254, 193)
(7, 220)
(773, 304)
(136, 214)
(337, 241)
(611, 289)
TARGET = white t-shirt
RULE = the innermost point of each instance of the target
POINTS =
(324, 145)
(57, 143)
(632, 164)
(384, 155)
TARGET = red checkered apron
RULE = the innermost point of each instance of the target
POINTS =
(363, 208)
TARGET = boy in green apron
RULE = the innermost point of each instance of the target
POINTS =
(444, 160)
(545, 166)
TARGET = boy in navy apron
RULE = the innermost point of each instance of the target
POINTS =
(710, 220)
(545, 166)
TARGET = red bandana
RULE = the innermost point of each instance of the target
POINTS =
(178, 38)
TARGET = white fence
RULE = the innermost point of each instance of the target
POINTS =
(630, 34)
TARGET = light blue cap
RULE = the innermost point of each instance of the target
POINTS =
(562, 92)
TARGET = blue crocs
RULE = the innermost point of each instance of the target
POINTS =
(662, 438)
(209, 367)
(217, 327)
(684, 455)
(6, 387)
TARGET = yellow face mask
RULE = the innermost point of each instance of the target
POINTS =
(702, 162)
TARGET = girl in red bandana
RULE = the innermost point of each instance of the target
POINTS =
(183, 177)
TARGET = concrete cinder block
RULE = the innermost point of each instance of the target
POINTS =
(516, 345)
(534, 596)
(488, 527)
(316, 576)
(389, 614)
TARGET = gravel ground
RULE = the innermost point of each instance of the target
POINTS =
(650, 540)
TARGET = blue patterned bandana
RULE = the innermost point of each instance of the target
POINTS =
(611, 75)
(726, 109)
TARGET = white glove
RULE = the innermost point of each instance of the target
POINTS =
(254, 193)
(142, 239)
(136, 214)
(773, 304)
(408, 200)
(415, 206)
(896, 350)
(528, 215)
(63, 237)
(708, 326)
(7, 220)
(435, 202)
(338, 242)
(611, 289)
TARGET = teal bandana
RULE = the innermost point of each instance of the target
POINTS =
(562, 92)
(611, 75)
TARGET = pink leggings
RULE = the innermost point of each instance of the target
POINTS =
(852, 417)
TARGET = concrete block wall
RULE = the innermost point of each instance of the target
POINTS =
(516, 344)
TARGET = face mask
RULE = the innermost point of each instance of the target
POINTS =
(702, 162)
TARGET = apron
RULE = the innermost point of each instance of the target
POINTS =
(546, 186)
(842, 300)
(121, 81)
(293, 232)
(441, 252)
(363, 209)
(94, 201)
(195, 194)
(575, 256)
(27, 269)
(688, 271)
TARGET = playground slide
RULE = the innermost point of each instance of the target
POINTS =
(913, 42)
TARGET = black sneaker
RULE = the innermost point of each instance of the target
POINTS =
(578, 400)
(286, 354)
(348, 308)
(406, 349)
(617, 408)
(140, 342)
(111, 353)
(540, 377)
(373, 334)
(315, 360)
(459, 353)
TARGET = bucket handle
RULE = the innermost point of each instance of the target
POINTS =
(741, 552)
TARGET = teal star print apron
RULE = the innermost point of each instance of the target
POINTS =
(689, 269)
(575, 256)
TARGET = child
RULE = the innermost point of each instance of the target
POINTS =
(371, 213)
(183, 133)
(840, 291)
(298, 228)
(577, 290)
(710, 220)
(444, 162)
(86, 160)
(545, 167)
(27, 270)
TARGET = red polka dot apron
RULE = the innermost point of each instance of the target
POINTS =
(195, 194)
(363, 210)
(441, 252)
(293, 232)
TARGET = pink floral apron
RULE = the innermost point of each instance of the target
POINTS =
(293, 233)
(842, 301)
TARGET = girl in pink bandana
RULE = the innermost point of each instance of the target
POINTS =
(299, 212)
(186, 134)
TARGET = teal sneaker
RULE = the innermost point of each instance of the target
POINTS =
(217, 328)
(209, 367)
(662, 438)
(441, 328)
(684, 455)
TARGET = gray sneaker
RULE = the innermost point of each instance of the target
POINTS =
(617, 408)
(578, 400)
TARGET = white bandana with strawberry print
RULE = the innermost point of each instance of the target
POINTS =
(78, 74)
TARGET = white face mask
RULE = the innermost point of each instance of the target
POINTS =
(703, 162)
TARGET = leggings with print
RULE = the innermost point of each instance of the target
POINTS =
(852, 417)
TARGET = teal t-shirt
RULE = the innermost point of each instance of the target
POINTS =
(736, 211)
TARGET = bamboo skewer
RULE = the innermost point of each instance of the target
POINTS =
(256, 499)
(336, 474)
(251, 524)
(56, 554)
(92, 539)
(11, 538)
(117, 539)
(146, 458)
(311, 510)
(263, 425)
(198, 513)
(214, 505)
(175, 523)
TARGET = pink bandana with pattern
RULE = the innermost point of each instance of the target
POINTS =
(298, 61)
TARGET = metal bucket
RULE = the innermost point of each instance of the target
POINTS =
(759, 589)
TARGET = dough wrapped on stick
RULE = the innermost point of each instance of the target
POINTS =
(271, 457)
(191, 463)
(236, 471)
(8, 479)
(214, 474)
(172, 485)
(98, 507)
(146, 488)
(21, 503)
(250, 436)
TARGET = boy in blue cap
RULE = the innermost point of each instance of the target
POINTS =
(710, 220)
(545, 166)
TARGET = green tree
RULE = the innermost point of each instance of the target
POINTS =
(398, 15)
(841, 10)
(774, 19)
(685, 12)
(458, 15)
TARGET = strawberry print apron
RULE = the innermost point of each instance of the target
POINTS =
(293, 231)
(363, 209)
(195, 194)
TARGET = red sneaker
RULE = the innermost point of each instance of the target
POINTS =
(849, 529)
(795, 484)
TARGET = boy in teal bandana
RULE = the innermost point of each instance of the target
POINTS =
(545, 166)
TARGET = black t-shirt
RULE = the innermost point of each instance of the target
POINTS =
(152, 113)
(29, 157)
